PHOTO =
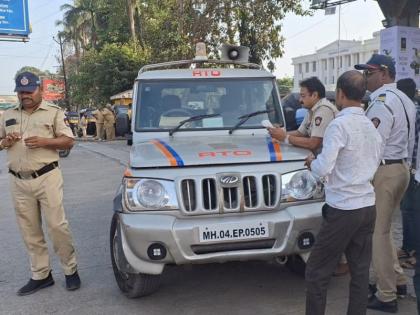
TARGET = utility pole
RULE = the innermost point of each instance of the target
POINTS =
(60, 42)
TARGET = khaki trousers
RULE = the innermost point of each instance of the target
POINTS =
(99, 131)
(109, 131)
(43, 195)
(390, 184)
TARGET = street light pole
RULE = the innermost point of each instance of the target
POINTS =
(60, 42)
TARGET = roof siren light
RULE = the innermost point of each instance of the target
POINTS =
(234, 53)
(200, 51)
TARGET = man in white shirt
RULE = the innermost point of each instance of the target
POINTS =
(348, 161)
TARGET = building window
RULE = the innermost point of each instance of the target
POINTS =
(300, 68)
(325, 80)
(341, 61)
(332, 81)
(332, 63)
(375, 51)
(325, 64)
(314, 66)
(307, 67)
(348, 61)
(356, 58)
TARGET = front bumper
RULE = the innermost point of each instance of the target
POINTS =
(180, 237)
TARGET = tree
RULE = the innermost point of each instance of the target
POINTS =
(285, 85)
(105, 73)
(38, 72)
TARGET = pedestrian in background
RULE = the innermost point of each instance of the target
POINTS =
(99, 117)
(407, 250)
(348, 161)
(83, 125)
(109, 122)
(32, 133)
(393, 114)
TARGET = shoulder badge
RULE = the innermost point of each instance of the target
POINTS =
(376, 121)
(53, 105)
(318, 120)
(381, 97)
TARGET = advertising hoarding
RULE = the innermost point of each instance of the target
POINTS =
(14, 18)
(53, 89)
(402, 43)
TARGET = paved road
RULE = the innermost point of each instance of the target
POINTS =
(92, 173)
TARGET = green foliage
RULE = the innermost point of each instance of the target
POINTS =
(110, 40)
(285, 85)
(105, 73)
(34, 70)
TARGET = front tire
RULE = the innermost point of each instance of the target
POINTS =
(131, 284)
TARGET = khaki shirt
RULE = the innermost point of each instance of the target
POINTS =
(46, 121)
(98, 116)
(109, 118)
(318, 118)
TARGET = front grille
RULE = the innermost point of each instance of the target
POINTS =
(227, 193)
(189, 197)
(209, 194)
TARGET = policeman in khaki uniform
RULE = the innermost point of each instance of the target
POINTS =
(32, 133)
(109, 121)
(99, 123)
(321, 113)
(393, 114)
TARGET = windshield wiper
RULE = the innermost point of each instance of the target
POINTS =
(244, 118)
(193, 118)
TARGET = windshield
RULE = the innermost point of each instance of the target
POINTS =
(163, 105)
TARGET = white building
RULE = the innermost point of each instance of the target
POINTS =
(330, 61)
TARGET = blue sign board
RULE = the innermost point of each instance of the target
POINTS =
(14, 18)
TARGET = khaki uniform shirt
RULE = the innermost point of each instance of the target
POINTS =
(46, 121)
(109, 118)
(318, 118)
(98, 116)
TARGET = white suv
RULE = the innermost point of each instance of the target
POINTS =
(205, 182)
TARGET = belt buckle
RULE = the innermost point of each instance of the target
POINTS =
(26, 175)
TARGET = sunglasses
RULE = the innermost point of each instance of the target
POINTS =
(368, 73)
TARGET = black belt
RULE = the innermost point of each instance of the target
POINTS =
(389, 162)
(30, 175)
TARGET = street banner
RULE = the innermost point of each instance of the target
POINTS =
(330, 11)
(14, 18)
(52, 89)
(402, 43)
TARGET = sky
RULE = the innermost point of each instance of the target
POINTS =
(304, 35)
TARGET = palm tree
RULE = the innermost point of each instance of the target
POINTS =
(78, 16)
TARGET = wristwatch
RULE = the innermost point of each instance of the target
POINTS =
(286, 140)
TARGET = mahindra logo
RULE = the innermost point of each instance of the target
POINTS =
(229, 180)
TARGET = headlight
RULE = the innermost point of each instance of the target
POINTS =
(149, 194)
(300, 185)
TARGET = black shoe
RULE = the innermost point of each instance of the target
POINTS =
(401, 290)
(372, 290)
(34, 285)
(73, 282)
(388, 307)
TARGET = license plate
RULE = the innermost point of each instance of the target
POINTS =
(233, 232)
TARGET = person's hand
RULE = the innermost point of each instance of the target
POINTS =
(277, 133)
(11, 139)
(36, 142)
(308, 160)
